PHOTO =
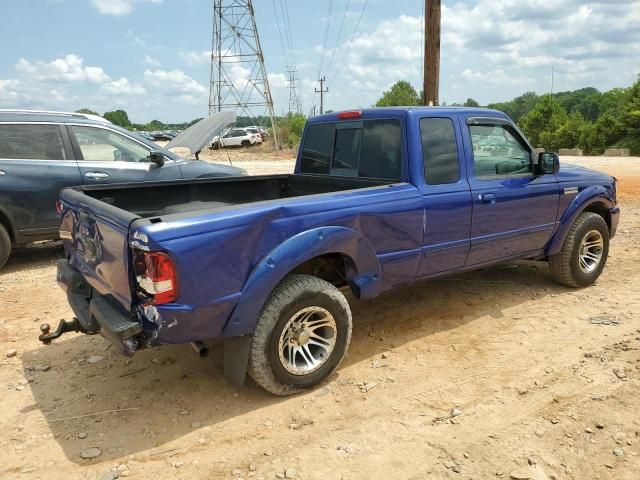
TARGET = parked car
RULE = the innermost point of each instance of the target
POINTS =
(233, 138)
(380, 198)
(42, 153)
(256, 134)
(258, 130)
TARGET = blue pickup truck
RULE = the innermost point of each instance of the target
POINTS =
(379, 198)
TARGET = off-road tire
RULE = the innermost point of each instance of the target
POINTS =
(5, 246)
(293, 294)
(565, 267)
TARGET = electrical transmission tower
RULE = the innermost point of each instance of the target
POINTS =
(238, 75)
(295, 106)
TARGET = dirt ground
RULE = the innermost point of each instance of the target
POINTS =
(494, 374)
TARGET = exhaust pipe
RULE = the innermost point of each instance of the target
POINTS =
(201, 349)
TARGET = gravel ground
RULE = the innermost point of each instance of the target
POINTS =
(493, 374)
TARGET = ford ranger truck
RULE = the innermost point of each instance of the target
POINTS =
(379, 198)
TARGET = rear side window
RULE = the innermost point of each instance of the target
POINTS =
(368, 149)
(318, 148)
(440, 151)
(31, 142)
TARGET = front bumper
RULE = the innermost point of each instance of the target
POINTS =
(615, 218)
(94, 313)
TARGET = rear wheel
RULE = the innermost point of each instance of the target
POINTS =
(5, 246)
(246, 143)
(302, 335)
(584, 252)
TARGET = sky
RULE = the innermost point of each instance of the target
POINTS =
(152, 57)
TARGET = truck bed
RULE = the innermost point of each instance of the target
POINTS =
(148, 200)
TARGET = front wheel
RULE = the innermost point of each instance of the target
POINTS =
(302, 335)
(584, 252)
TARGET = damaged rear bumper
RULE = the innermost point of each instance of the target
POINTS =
(94, 314)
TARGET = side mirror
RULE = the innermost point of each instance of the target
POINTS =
(156, 158)
(548, 163)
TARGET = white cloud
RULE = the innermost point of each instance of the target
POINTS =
(174, 81)
(152, 62)
(118, 7)
(68, 69)
(495, 77)
(196, 58)
(123, 87)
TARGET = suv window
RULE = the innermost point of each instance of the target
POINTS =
(439, 150)
(368, 149)
(497, 151)
(31, 142)
(99, 144)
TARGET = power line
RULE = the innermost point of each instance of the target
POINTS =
(282, 43)
(326, 35)
(287, 24)
(355, 31)
(333, 52)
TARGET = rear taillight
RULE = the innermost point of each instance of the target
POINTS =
(59, 206)
(156, 275)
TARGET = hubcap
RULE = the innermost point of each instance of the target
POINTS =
(591, 250)
(307, 340)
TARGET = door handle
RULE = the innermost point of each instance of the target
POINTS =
(2, 173)
(96, 175)
(488, 198)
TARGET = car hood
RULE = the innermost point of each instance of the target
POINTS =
(572, 172)
(201, 169)
(197, 136)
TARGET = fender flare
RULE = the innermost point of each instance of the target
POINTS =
(589, 196)
(363, 271)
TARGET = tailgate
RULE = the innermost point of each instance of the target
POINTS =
(96, 241)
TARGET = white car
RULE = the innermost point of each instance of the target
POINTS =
(234, 138)
(255, 132)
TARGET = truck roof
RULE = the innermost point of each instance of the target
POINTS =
(372, 112)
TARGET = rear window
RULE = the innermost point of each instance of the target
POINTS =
(31, 142)
(439, 151)
(366, 149)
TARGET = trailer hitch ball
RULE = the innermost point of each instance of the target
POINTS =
(45, 328)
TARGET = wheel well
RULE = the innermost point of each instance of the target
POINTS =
(602, 210)
(335, 268)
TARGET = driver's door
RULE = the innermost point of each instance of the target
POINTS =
(514, 210)
(108, 156)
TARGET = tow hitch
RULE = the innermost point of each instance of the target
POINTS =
(63, 327)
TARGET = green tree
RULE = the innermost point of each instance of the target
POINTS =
(400, 94)
(518, 107)
(542, 123)
(630, 119)
(118, 117)
(87, 111)
(290, 129)
(471, 103)
(568, 135)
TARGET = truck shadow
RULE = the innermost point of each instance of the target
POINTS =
(141, 405)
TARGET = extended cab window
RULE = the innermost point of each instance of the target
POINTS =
(99, 144)
(497, 151)
(31, 142)
(366, 149)
(440, 151)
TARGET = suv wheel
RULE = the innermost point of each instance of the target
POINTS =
(584, 252)
(5, 245)
(302, 335)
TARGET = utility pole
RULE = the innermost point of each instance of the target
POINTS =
(235, 44)
(322, 91)
(431, 52)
